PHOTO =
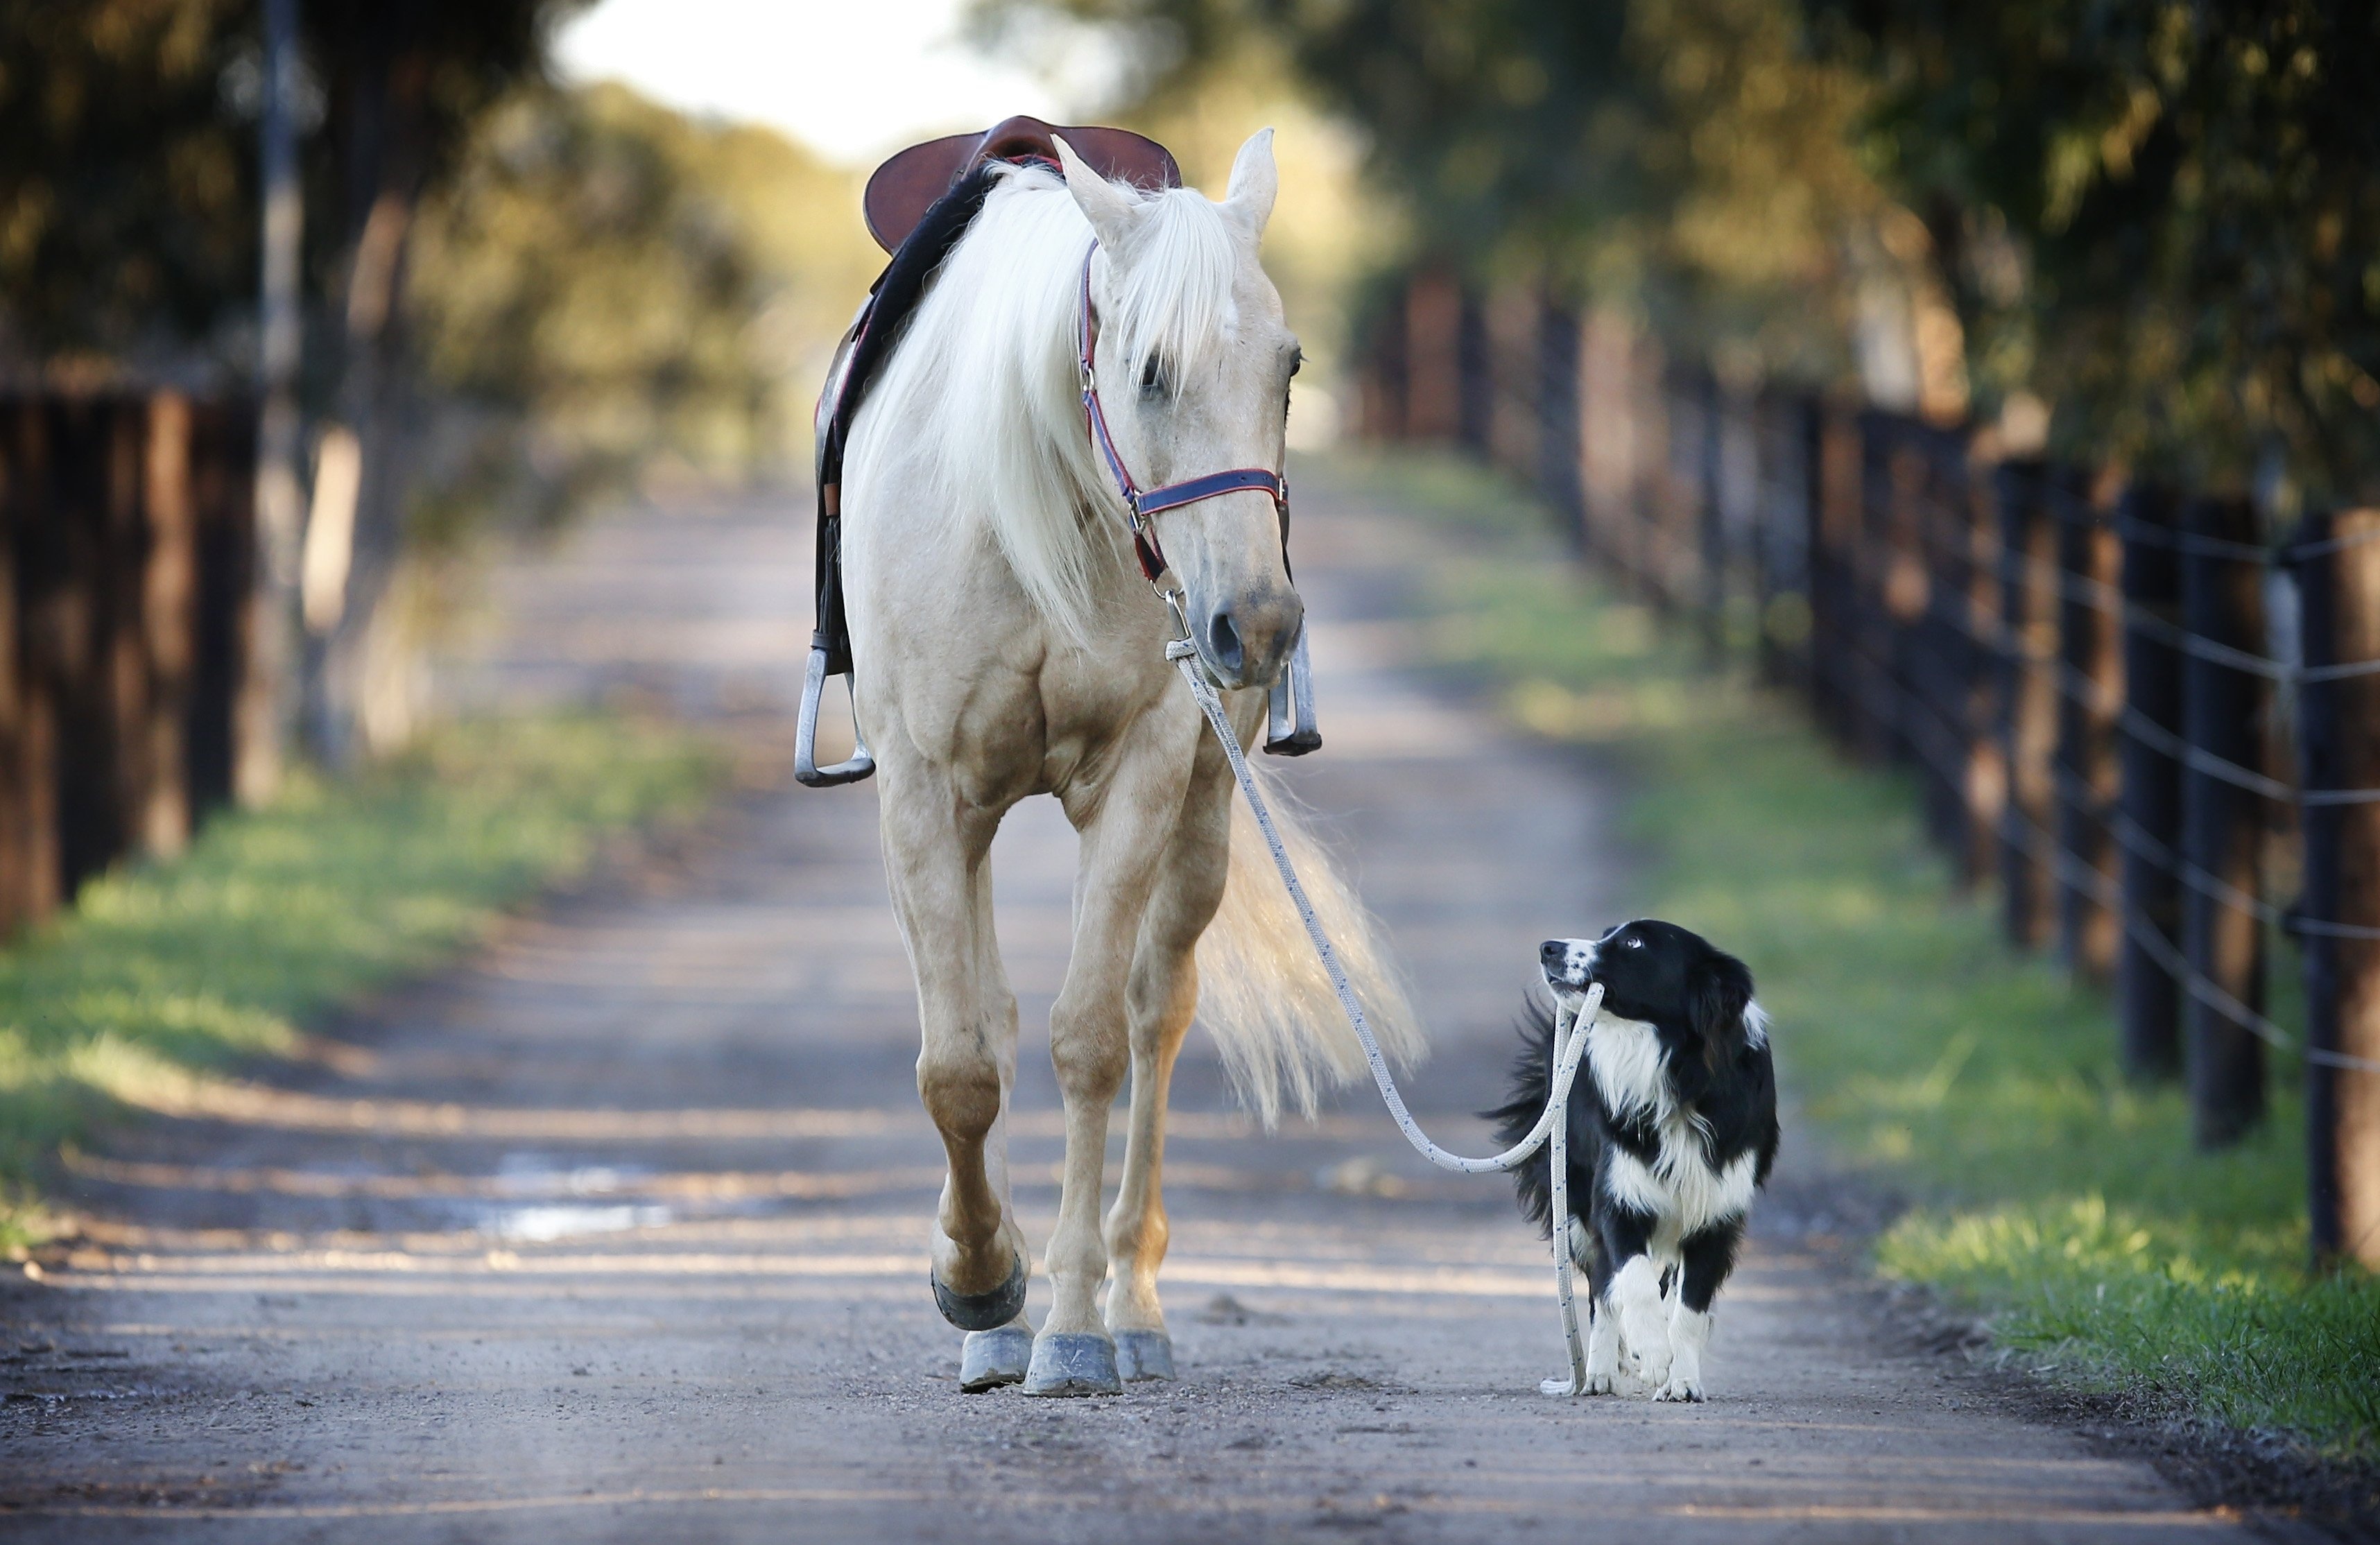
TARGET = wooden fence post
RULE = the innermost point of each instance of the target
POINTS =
(1652, 431)
(1383, 416)
(1837, 479)
(2223, 825)
(18, 771)
(1976, 580)
(1710, 513)
(2148, 999)
(1559, 448)
(223, 646)
(2338, 720)
(1515, 378)
(1433, 359)
(2090, 652)
(169, 618)
(1875, 711)
(2028, 698)
(1474, 392)
(1607, 433)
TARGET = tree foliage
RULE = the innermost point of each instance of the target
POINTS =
(604, 282)
(2162, 216)
(127, 155)
(2159, 216)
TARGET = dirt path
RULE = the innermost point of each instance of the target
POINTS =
(615, 1230)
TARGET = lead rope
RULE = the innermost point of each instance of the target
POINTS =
(1569, 1033)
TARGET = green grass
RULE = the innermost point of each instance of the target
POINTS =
(168, 970)
(2063, 1205)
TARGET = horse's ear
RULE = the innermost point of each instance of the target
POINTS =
(1254, 182)
(1108, 208)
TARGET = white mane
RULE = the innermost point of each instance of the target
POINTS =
(983, 385)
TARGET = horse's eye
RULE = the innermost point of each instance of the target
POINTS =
(1297, 361)
(1152, 376)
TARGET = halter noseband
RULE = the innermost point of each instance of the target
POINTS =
(1139, 503)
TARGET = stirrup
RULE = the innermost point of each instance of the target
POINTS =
(807, 771)
(1289, 723)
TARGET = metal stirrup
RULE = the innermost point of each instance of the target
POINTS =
(807, 771)
(1289, 724)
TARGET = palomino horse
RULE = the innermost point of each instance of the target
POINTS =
(1006, 646)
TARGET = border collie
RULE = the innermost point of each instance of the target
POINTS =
(1672, 1128)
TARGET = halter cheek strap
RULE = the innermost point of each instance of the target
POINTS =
(1139, 503)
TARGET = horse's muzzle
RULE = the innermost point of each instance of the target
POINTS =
(1245, 642)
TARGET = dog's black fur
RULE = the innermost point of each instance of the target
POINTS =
(1718, 1084)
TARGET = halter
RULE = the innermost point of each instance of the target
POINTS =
(1140, 504)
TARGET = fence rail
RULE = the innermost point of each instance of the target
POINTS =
(125, 558)
(2150, 720)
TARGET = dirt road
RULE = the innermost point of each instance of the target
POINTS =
(617, 1230)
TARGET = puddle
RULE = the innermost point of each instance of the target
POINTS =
(534, 1174)
(537, 1225)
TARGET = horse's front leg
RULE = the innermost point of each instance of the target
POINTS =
(937, 849)
(1160, 1003)
(1125, 828)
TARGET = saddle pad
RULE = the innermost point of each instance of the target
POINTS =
(905, 187)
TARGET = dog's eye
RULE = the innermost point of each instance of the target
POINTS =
(1631, 943)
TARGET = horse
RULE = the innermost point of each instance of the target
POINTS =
(1005, 645)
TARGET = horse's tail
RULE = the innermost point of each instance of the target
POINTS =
(1262, 993)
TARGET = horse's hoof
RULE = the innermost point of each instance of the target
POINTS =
(995, 1358)
(982, 1312)
(1144, 1355)
(1069, 1363)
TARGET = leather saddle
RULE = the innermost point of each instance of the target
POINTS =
(905, 187)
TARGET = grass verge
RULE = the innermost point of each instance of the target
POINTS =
(167, 970)
(2066, 1206)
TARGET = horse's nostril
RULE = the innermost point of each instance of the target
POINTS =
(1223, 644)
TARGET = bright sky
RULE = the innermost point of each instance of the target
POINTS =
(853, 79)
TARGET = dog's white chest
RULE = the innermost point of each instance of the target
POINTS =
(1682, 1190)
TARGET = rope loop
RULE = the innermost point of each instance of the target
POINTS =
(1571, 1031)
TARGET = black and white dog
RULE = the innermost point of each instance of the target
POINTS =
(1672, 1128)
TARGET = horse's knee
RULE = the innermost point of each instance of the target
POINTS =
(960, 1085)
(1089, 1057)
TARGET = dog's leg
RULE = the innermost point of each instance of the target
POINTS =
(1709, 1256)
(1602, 1347)
(1643, 1331)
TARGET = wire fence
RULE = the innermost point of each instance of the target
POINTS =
(2150, 718)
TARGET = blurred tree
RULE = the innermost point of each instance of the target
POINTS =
(2162, 216)
(606, 285)
(1689, 155)
(126, 187)
(129, 228)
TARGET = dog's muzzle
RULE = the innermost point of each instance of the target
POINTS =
(1568, 965)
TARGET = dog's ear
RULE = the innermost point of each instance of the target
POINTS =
(1716, 995)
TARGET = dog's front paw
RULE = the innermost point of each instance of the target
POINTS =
(1649, 1368)
(1645, 1349)
(1679, 1386)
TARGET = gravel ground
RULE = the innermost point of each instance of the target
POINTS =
(615, 1230)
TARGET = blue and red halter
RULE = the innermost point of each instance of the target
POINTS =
(1140, 502)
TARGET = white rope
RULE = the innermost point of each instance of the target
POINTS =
(1570, 1034)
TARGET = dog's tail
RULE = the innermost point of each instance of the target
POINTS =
(1262, 993)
